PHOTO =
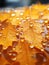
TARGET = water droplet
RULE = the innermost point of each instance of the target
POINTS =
(4, 48)
(41, 13)
(43, 44)
(21, 33)
(28, 18)
(22, 40)
(14, 43)
(42, 49)
(40, 58)
(7, 56)
(9, 49)
(3, 28)
(12, 54)
(46, 21)
(34, 56)
(17, 35)
(3, 24)
(17, 27)
(47, 36)
(47, 49)
(47, 26)
(14, 59)
(31, 46)
(21, 28)
(47, 8)
(21, 13)
(31, 25)
(14, 48)
(13, 14)
(17, 18)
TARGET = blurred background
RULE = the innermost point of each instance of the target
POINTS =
(20, 3)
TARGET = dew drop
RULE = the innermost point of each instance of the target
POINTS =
(17, 35)
(14, 59)
(31, 25)
(12, 14)
(46, 21)
(47, 36)
(9, 49)
(47, 49)
(31, 46)
(21, 13)
(22, 39)
(0, 34)
(12, 54)
(41, 58)
(14, 43)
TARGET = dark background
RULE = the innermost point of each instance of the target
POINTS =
(20, 3)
